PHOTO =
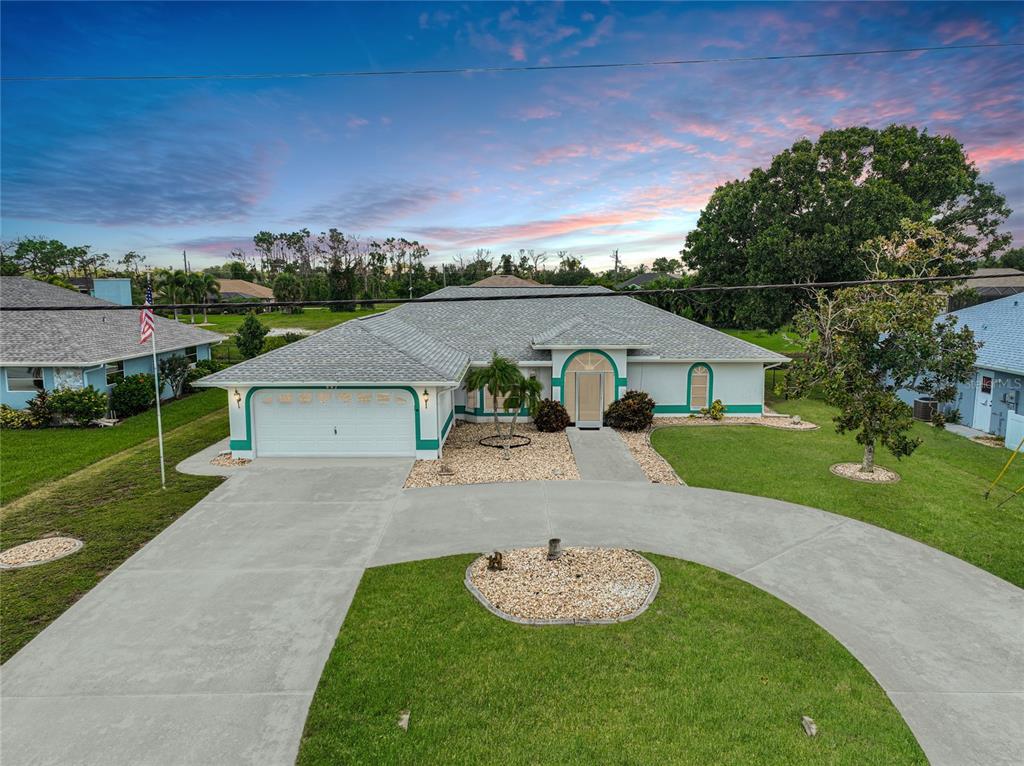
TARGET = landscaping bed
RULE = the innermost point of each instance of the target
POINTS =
(715, 671)
(548, 457)
(655, 467)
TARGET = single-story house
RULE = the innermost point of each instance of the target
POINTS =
(641, 281)
(505, 280)
(992, 284)
(243, 290)
(997, 386)
(54, 349)
(393, 383)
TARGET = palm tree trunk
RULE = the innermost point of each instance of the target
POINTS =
(494, 406)
(868, 463)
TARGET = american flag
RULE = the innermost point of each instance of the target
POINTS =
(146, 316)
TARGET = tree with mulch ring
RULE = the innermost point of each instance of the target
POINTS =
(714, 671)
(512, 390)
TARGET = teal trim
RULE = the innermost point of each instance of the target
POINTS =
(621, 382)
(556, 382)
(460, 409)
(684, 409)
(246, 444)
(615, 371)
(756, 409)
(672, 409)
(482, 411)
(689, 382)
(447, 424)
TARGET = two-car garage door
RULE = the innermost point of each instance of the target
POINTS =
(334, 422)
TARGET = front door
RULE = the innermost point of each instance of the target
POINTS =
(983, 401)
(589, 399)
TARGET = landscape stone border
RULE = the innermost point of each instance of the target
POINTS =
(75, 549)
(601, 621)
(834, 469)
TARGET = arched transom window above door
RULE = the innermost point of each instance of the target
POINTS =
(700, 386)
(581, 364)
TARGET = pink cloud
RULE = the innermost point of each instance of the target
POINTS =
(517, 51)
(943, 114)
(997, 154)
(955, 31)
(558, 153)
(536, 113)
(357, 122)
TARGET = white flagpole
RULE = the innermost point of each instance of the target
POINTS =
(159, 421)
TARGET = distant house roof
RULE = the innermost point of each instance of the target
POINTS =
(642, 279)
(999, 325)
(78, 338)
(998, 282)
(425, 341)
(505, 280)
(245, 289)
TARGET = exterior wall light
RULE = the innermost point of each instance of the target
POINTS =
(426, 398)
(238, 399)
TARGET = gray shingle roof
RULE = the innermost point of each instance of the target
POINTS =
(424, 341)
(999, 325)
(78, 338)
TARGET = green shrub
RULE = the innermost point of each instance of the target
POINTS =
(12, 418)
(201, 369)
(278, 341)
(40, 410)
(633, 412)
(173, 372)
(551, 416)
(81, 406)
(716, 411)
(132, 395)
(250, 336)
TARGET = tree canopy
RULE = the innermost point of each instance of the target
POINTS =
(806, 216)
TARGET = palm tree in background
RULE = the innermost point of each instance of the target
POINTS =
(208, 286)
(172, 286)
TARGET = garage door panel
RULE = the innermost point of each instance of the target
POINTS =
(334, 422)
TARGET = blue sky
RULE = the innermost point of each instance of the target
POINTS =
(586, 161)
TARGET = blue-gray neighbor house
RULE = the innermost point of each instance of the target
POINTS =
(997, 387)
(54, 349)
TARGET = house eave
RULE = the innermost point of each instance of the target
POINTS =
(575, 346)
(202, 383)
(717, 360)
(97, 362)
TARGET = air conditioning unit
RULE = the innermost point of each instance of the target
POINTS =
(925, 408)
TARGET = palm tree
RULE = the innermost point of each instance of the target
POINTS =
(499, 377)
(208, 285)
(197, 288)
(524, 393)
(172, 286)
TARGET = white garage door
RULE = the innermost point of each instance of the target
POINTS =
(334, 422)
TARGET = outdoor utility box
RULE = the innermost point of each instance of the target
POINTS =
(924, 409)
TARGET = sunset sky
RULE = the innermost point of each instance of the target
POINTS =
(580, 160)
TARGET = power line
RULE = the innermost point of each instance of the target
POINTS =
(501, 69)
(526, 296)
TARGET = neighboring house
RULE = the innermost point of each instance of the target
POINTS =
(241, 290)
(55, 349)
(642, 280)
(995, 283)
(392, 383)
(114, 289)
(998, 383)
(505, 280)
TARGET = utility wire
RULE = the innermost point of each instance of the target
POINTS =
(501, 69)
(214, 307)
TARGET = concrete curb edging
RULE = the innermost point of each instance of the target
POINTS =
(468, 581)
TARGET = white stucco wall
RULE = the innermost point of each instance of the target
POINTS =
(739, 385)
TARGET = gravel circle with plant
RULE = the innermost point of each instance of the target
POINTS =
(38, 552)
(877, 476)
(582, 585)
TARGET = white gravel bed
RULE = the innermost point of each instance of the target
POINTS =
(547, 458)
(584, 585)
(655, 467)
(776, 421)
(38, 552)
(852, 471)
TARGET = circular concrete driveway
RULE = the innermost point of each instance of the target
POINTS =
(942, 637)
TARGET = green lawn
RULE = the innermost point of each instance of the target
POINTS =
(716, 671)
(30, 459)
(781, 341)
(115, 508)
(309, 319)
(939, 500)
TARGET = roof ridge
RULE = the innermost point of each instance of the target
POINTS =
(406, 352)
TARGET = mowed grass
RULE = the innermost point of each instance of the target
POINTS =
(780, 341)
(939, 500)
(716, 671)
(115, 509)
(30, 459)
(309, 319)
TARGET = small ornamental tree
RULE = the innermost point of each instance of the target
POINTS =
(866, 343)
(498, 377)
(250, 335)
(173, 372)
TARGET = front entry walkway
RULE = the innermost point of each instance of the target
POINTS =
(601, 455)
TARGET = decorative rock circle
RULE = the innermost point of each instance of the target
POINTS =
(499, 442)
(852, 471)
(584, 586)
(38, 552)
